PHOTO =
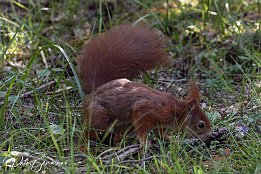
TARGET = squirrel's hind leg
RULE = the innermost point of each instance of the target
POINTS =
(97, 119)
(119, 133)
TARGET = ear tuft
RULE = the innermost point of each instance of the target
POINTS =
(192, 103)
(193, 92)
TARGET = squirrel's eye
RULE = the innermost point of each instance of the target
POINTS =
(201, 124)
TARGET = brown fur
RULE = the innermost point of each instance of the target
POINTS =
(122, 52)
(126, 51)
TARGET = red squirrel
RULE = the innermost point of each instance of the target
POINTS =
(107, 62)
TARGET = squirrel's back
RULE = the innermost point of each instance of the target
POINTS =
(122, 52)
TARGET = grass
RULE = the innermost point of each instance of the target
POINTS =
(215, 42)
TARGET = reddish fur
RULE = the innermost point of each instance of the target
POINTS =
(125, 51)
(122, 52)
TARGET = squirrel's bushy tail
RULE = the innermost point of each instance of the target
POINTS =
(125, 51)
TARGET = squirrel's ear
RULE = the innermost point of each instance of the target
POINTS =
(192, 103)
(193, 92)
